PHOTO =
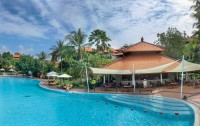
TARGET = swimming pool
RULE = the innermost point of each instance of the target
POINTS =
(23, 103)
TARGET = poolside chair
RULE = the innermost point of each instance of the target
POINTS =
(127, 86)
(69, 86)
(173, 85)
(106, 86)
(53, 83)
(196, 83)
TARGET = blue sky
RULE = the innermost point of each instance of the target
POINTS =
(32, 26)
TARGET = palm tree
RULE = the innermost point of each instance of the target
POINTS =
(100, 39)
(42, 56)
(77, 39)
(58, 51)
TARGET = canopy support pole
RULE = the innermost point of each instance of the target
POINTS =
(133, 78)
(186, 76)
(182, 63)
(86, 72)
(161, 79)
(104, 79)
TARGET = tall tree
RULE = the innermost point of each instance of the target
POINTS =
(77, 39)
(42, 56)
(174, 41)
(7, 60)
(194, 44)
(196, 15)
(27, 63)
(58, 51)
(100, 39)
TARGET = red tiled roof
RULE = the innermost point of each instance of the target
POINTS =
(16, 55)
(117, 52)
(88, 49)
(144, 47)
(140, 61)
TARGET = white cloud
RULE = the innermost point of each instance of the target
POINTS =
(124, 22)
(3, 49)
(25, 50)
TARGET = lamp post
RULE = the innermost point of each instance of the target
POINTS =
(86, 73)
(182, 63)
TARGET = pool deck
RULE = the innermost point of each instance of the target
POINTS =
(192, 94)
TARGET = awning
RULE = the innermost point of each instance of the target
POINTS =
(101, 71)
(159, 69)
(188, 66)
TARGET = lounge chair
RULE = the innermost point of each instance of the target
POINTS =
(173, 85)
(53, 83)
(106, 86)
(196, 83)
(127, 86)
(69, 86)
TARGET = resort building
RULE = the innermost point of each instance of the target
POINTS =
(89, 49)
(143, 55)
(16, 55)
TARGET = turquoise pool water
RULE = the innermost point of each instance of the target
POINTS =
(24, 103)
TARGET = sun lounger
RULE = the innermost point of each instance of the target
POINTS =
(126, 86)
(52, 83)
(106, 86)
(196, 83)
(173, 85)
(69, 86)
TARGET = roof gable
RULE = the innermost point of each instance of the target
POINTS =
(144, 47)
(142, 61)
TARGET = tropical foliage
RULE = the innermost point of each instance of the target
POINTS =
(174, 41)
(196, 15)
(77, 39)
(100, 39)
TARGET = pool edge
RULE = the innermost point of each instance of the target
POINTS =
(189, 103)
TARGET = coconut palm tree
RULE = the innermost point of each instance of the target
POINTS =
(100, 39)
(42, 56)
(58, 51)
(77, 39)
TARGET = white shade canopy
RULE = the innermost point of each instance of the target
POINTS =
(11, 70)
(188, 66)
(159, 69)
(52, 74)
(2, 69)
(101, 71)
(64, 76)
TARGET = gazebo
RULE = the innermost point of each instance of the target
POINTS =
(143, 60)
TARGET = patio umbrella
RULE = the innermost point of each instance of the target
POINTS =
(64, 76)
(2, 69)
(12, 70)
(52, 74)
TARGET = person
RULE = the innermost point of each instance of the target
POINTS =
(145, 83)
